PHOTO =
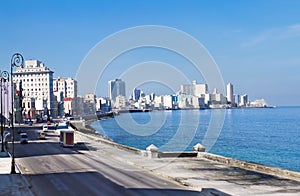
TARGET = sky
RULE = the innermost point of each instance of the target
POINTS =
(256, 44)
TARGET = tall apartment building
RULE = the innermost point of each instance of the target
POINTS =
(136, 94)
(116, 88)
(229, 93)
(37, 83)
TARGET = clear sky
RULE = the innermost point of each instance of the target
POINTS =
(256, 43)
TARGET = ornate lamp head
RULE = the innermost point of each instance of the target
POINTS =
(4, 75)
(17, 60)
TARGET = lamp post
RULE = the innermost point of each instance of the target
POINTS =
(17, 60)
(3, 76)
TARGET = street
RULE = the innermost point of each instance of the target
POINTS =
(53, 170)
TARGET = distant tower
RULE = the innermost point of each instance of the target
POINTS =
(116, 88)
(230, 93)
(136, 94)
(244, 100)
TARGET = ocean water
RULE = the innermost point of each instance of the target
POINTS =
(268, 136)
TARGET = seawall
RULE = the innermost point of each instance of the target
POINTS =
(274, 171)
(250, 166)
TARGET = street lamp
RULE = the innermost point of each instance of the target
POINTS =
(4, 75)
(17, 60)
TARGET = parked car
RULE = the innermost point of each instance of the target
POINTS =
(23, 138)
(45, 127)
(42, 135)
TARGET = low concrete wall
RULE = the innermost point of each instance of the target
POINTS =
(176, 154)
(78, 124)
(90, 117)
(274, 171)
(102, 139)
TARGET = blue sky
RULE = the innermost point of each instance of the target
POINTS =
(256, 44)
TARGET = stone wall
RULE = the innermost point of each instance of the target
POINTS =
(274, 171)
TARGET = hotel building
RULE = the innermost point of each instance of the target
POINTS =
(37, 84)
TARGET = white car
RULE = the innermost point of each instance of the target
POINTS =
(23, 138)
(45, 127)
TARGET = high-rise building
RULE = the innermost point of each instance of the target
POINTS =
(244, 100)
(136, 94)
(37, 83)
(116, 88)
(230, 93)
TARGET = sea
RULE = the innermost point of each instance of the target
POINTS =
(269, 136)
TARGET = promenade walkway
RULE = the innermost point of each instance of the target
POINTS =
(11, 184)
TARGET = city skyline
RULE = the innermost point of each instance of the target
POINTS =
(254, 43)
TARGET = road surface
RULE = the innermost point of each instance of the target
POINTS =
(84, 170)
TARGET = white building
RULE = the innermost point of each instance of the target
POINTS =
(259, 103)
(66, 86)
(120, 102)
(193, 89)
(244, 100)
(37, 83)
(207, 98)
(65, 89)
(229, 94)
(188, 101)
(168, 102)
(28, 106)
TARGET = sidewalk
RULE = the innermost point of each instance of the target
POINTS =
(11, 184)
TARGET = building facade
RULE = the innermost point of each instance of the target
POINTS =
(229, 89)
(116, 88)
(193, 89)
(37, 83)
(65, 89)
(90, 103)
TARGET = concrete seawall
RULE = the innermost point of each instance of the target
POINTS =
(274, 171)
(250, 166)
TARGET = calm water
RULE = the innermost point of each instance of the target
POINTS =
(267, 136)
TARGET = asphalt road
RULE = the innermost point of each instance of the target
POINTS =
(82, 170)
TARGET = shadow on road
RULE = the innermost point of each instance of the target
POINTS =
(93, 183)
(45, 148)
